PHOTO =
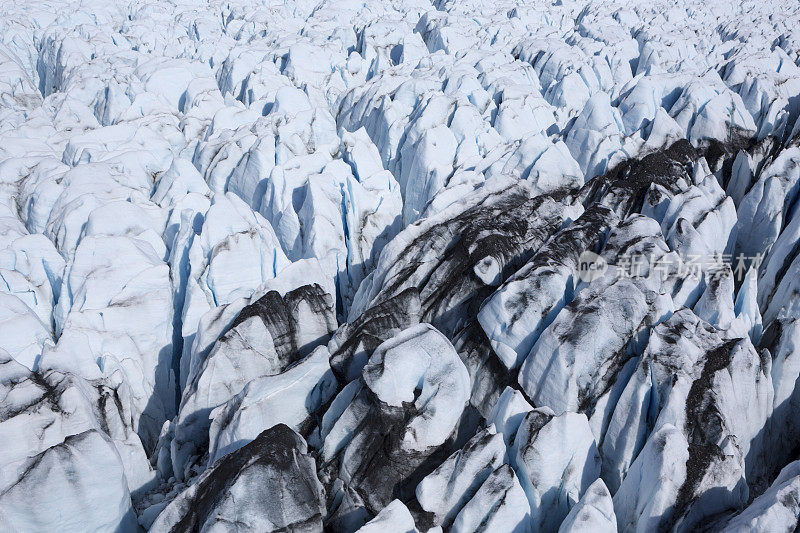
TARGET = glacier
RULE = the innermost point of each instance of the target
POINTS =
(411, 265)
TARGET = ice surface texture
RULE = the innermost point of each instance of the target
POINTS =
(305, 266)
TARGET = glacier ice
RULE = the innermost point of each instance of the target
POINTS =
(420, 265)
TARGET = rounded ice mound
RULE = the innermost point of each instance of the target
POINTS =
(384, 429)
(420, 365)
